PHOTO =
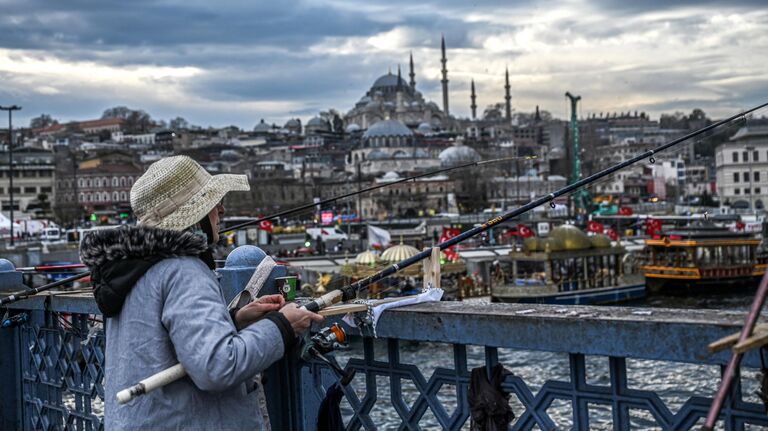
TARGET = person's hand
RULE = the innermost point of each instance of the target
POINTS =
(300, 318)
(257, 309)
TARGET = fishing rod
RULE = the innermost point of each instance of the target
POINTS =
(350, 292)
(372, 188)
(16, 296)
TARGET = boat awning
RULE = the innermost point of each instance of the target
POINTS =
(320, 265)
(478, 254)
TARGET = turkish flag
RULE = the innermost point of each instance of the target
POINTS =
(612, 234)
(625, 211)
(652, 227)
(524, 231)
(593, 226)
(265, 225)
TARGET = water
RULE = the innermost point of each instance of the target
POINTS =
(675, 383)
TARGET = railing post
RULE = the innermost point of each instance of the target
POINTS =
(10, 369)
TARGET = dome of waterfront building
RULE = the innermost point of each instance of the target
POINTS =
(387, 128)
(388, 80)
(366, 258)
(571, 237)
(399, 252)
(457, 155)
(352, 128)
(424, 128)
(292, 123)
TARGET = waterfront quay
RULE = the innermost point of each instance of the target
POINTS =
(52, 366)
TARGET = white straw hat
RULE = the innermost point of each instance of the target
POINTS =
(176, 193)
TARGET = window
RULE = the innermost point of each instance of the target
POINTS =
(746, 191)
(123, 196)
(735, 176)
(757, 190)
(746, 176)
(30, 189)
(737, 191)
(15, 189)
(745, 156)
(757, 176)
(735, 157)
(45, 190)
(115, 196)
(2, 190)
(88, 183)
(755, 156)
(97, 182)
(115, 182)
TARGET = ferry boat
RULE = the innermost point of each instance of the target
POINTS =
(703, 257)
(567, 268)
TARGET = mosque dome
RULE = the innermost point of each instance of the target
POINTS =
(457, 155)
(421, 153)
(292, 123)
(262, 127)
(424, 128)
(318, 123)
(387, 128)
(352, 128)
(388, 80)
(398, 253)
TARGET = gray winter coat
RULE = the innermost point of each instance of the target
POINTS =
(176, 312)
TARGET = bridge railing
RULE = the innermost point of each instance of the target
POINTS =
(573, 367)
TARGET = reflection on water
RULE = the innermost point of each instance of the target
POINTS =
(674, 383)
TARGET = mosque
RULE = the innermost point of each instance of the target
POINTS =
(392, 98)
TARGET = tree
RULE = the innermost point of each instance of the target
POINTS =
(44, 120)
(138, 122)
(117, 112)
(178, 123)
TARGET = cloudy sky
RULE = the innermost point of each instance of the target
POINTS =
(220, 63)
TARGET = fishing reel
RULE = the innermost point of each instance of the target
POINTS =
(326, 341)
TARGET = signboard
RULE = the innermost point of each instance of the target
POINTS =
(326, 217)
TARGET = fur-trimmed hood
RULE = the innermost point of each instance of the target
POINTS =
(119, 257)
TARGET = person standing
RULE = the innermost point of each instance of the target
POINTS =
(162, 304)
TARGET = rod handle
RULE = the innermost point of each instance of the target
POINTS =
(151, 383)
(324, 301)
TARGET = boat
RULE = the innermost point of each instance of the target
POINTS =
(567, 268)
(703, 257)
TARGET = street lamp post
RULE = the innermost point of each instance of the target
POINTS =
(10, 110)
(750, 153)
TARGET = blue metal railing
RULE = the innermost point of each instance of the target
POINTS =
(51, 367)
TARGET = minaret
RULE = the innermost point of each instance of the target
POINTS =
(507, 96)
(473, 105)
(413, 75)
(399, 107)
(444, 81)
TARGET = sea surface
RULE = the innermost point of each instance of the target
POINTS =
(673, 382)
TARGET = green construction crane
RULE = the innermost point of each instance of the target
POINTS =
(581, 197)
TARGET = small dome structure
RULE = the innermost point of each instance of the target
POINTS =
(457, 155)
(571, 237)
(352, 128)
(398, 253)
(391, 176)
(387, 128)
(366, 258)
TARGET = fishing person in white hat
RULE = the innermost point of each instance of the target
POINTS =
(163, 305)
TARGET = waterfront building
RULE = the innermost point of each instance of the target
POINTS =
(33, 179)
(742, 170)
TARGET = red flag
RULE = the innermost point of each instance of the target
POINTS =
(448, 233)
(625, 211)
(652, 227)
(265, 225)
(740, 225)
(524, 231)
(612, 234)
(593, 226)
